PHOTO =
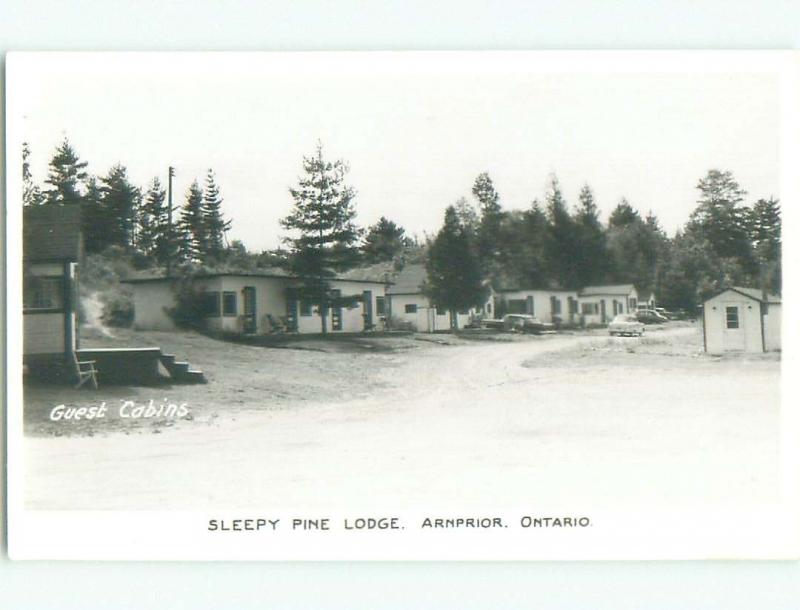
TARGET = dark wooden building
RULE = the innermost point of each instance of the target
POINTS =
(52, 246)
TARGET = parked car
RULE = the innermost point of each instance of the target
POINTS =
(683, 314)
(664, 312)
(525, 323)
(651, 316)
(626, 324)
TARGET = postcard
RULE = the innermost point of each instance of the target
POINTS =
(402, 306)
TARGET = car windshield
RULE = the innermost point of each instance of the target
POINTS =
(625, 318)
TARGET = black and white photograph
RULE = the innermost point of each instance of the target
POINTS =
(476, 305)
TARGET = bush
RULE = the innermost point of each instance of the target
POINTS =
(117, 308)
(395, 323)
(188, 311)
(104, 270)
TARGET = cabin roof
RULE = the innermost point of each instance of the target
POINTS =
(409, 280)
(590, 291)
(266, 273)
(51, 232)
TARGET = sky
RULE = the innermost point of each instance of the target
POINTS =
(416, 129)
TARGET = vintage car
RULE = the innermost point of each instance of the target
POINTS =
(518, 322)
(667, 314)
(650, 316)
(626, 324)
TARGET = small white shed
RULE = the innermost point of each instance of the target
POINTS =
(742, 320)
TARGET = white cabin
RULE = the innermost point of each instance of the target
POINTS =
(409, 305)
(260, 303)
(599, 304)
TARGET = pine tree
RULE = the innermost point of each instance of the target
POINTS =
(67, 176)
(720, 218)
(153, 220)
(490, 242)
(623, 215)
(215, 224)
(31, 193)
(765, 233)
(591, 252)
(534, 267)
(324, 234)
(468, 217)
(97, 224)
(455, 279)
(765, 228)
(561, 238)
(384, 241)
(120, 200)
(191, 230)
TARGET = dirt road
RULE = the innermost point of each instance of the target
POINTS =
(564, 419)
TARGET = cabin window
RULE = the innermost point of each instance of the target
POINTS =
(305, 307)
(380, 306)
(488, 308)
(411, 308)
(632, 304)
(732, 317)
(441, 311)
(589, 309)
(555, 305)
(228, 303)
(44, 293)
(463, 312)
(210, 303)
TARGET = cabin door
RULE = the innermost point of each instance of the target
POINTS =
(367, 301)
(602, 311)
(733, 327)
(249, 323)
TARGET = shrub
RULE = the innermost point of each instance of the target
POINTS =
(188, 310)
(395, 323)
(117, 308)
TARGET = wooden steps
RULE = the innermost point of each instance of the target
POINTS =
(180, 372)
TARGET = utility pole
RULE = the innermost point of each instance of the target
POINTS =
(170, 240)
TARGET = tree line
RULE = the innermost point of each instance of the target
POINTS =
(550, 244)
(115, 213)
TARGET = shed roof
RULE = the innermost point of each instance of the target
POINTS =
(753, 293)
(590, 291)
(51, 232)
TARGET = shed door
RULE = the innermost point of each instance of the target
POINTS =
(733, 327)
